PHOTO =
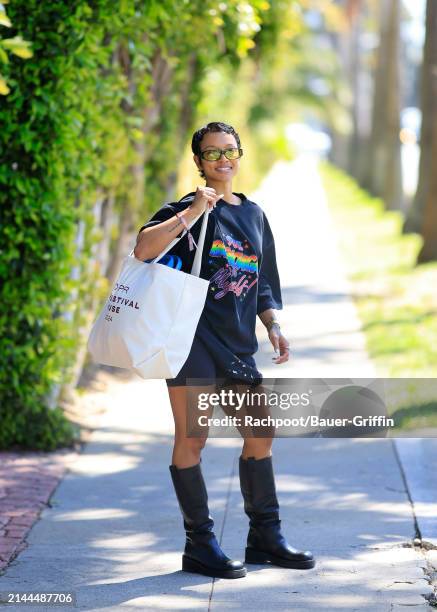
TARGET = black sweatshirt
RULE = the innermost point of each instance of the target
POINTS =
(239, 260)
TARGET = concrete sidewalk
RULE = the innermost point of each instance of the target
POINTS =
(113, 534)
(319, 317)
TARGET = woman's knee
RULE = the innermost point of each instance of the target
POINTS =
(191, 444)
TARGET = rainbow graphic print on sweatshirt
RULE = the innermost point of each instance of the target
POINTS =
(240, 272)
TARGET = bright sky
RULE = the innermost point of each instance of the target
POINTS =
(416, 8)
(416, 30)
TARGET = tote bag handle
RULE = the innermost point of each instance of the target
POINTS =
(195, 269)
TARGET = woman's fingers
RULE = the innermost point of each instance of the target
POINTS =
(284, 347)
(217, 198)
(213, 199)
(209, 196)
(210, 191)
(282, 359)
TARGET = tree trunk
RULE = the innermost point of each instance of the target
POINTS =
(383, 176)
(161, 79)
(186, 118)
(427, 167)
(361, 84)
(349, 150)
(122, 244)
(428, 251)
(428, 188)
(341, 135)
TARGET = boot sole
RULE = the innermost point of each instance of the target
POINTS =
(191, 565)
(259, 557)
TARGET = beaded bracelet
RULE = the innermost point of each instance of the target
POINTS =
(191, 242)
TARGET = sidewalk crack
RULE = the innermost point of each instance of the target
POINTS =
(422, 546)
(225, 514)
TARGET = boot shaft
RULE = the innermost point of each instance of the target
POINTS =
(192, 497)
(257, 483)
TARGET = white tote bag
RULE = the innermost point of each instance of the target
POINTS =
(150, 318)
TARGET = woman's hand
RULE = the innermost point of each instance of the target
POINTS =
(205, 196)
(280, 343)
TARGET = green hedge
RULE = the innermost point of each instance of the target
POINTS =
(52, 140)
(83, 114)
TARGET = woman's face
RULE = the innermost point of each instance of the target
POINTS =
(223, 169)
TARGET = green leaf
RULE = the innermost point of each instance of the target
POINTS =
(18, 46)
(4, 20)
(4, 89)
(3, 56)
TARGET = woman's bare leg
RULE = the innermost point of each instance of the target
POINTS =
(187, 450)
(257, 446)
(254, 445)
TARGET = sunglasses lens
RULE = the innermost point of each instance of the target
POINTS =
(232, 153)
(215, 154)
(211, 155)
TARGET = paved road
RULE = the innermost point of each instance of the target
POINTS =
(114, 534)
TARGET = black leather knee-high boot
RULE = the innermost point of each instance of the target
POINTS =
(202, 554)
(265, 542)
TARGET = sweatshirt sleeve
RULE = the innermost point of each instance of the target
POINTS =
(181, 248)
(163, 214)
(269, 286)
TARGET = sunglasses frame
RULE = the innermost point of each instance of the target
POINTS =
(222, 152)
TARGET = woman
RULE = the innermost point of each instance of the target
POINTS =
(240, 263)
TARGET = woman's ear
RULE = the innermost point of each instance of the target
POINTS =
(198, 164)
(197, 161)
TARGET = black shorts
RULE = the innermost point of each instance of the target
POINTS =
(200, 364)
